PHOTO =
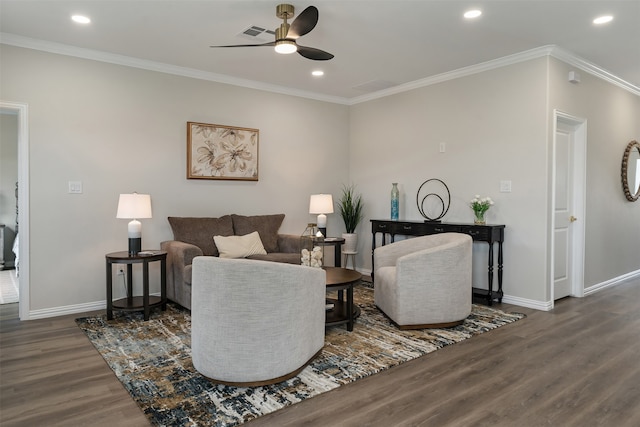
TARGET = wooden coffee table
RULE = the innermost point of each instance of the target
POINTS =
(343, 312)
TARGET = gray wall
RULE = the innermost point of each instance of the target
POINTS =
(494, 127)
(498, 125)
(120, 129)
(612, 245)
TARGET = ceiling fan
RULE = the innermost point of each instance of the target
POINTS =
(287, 34)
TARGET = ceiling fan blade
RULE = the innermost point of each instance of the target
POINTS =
(313, 53)
(304, 23)
(249, 45)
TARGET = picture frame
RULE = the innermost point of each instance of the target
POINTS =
(222, 152)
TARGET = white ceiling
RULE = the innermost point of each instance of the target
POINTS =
(375, 43)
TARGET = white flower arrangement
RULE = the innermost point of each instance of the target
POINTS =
(480, 205)
(312, 258)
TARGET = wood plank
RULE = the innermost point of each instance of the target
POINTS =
(576, 365)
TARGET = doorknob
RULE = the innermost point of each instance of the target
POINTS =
(573, 218)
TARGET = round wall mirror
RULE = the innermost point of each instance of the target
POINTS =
(631, 171)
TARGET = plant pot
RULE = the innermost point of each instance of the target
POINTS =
(350, 242)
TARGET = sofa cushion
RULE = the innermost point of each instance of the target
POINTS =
(200, 231)
(239, 246)
(267, 227)
(287, 258)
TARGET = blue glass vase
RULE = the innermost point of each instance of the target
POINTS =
(395, 202)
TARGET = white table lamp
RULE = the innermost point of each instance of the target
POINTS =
(321, 204)
(134, 206)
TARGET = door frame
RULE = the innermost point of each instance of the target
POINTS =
(578, 132)
(22, 111)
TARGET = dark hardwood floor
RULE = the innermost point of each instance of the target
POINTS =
(578, 365)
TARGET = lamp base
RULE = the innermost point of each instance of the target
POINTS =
(135, 246)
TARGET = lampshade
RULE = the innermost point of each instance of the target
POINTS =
(134, 206)
(321, 204)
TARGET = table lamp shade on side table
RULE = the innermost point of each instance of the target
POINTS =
(134, 206)
(321, 204)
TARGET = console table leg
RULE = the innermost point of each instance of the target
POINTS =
(500, 271)
(490, 292)
(373, 249)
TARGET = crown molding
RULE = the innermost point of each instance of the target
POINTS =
(539, 52)
(593, 69)
(549, 50)
(128, 61)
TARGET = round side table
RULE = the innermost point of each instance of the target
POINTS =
(138, 303)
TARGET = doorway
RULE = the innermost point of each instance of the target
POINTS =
(568, 206)
(21, 110)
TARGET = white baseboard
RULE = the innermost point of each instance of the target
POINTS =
(611, 282)
(529, 303)
(548, 305)
(67, 309)
(70, 309)
(508, 299)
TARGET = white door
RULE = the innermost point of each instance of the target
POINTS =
(563, 214)
(570, 144)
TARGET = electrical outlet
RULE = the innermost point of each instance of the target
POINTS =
(443, 147)
(120, 271)
(505, 186)
(75, 187)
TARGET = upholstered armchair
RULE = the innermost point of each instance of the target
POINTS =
(425, 282)
(255, 322)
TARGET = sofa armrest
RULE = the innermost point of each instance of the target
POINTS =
(180, 253)
(289, 243)
(179, 256)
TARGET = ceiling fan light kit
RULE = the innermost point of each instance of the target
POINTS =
(283, 44)
(287, 34)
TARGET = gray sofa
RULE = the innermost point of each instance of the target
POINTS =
(194, 237)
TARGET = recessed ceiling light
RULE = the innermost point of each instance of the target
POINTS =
(470, 14)
(603, 19)
(80, 19)
(317, 73)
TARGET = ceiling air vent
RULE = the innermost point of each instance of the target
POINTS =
(258, 34)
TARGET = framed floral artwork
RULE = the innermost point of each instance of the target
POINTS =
(221, 152)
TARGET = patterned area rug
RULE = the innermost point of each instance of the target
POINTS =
(153, 361)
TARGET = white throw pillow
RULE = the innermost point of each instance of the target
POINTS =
(239, 246)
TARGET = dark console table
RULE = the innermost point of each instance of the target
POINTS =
(490, 233)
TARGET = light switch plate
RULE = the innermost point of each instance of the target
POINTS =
(505, 186)
(75, 187)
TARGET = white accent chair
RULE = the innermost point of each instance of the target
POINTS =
(425, 282)
(255, 322)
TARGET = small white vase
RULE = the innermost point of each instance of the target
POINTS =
(350, 242)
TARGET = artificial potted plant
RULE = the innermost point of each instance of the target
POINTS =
(350, 205)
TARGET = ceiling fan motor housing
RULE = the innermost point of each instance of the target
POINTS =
(284, 11)
(281, 31)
